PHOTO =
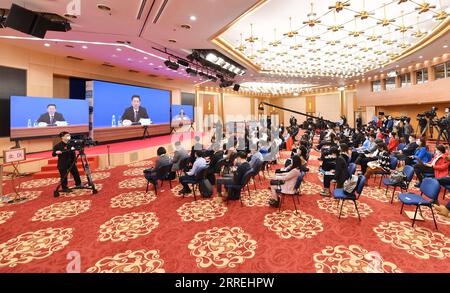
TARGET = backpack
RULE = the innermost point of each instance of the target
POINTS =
(397, 176)
(350, 184)
(206, 189)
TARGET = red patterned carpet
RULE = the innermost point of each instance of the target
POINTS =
(124, 229)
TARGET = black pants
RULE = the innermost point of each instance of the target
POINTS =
(327, 182)
(421, 169)
(223, 181)
(185, 180)
(64, 171)
(364, 162)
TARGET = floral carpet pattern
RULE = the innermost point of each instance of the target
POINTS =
(123, 228)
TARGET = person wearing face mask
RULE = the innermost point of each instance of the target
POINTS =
(409, 149)
(242, 167)
(393, 142)
(66, 161)
(438, 166)
(421, 154)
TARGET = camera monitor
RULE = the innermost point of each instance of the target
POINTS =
(33, 117)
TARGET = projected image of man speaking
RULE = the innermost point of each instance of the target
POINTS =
(133, 114)
(51, 117)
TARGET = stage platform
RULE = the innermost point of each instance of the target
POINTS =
(118, 153)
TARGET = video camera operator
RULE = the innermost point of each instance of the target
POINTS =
(66, 161)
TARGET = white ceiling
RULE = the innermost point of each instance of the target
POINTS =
(99, 32)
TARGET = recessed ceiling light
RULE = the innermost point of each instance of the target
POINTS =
(47, 44)
(119, 49)
(84, 47)
(420, 57)
(445, 46)
(145, 58)
(150, 64)
(193, 18)
(103, 7)
(114, 56)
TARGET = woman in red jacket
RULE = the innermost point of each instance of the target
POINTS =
(393, 142)
(437, 166)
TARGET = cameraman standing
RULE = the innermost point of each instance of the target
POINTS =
(66, 161)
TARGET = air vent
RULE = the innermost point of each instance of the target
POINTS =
(169, 79)
(70, 46)
(103, 7)
(160, 11)
(108, 65)
(152, 75)
(133, 71)
(186, 26)
(74, 58)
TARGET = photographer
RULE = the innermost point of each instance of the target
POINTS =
(66, 161)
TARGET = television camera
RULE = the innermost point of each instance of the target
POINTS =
(78, 143)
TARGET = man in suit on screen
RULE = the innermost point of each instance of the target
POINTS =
(133, 114)
(51, 117)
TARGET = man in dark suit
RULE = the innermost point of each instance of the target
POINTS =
(51, 117)
(66, 161)
(242, 167)
(134, 113)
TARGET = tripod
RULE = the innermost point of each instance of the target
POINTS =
(87, 169)
(424, 129)
(146, 134)
(192, 126)
(443, 132)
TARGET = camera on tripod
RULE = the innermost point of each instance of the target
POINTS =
(428, 114)
(79, 142)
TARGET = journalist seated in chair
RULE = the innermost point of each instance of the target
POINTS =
(163, 160)
(409, 149)
(179, 154)
(382, 164)
(255, 158)
(51, 117)
(285, 181)
(437, 167)
(340, 171)
(217, 154)
(199, 164)
(242, 167)
(420, 155)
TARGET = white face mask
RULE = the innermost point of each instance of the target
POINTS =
(418, 141)
(411, 140)
(68, 138)
(438, 152)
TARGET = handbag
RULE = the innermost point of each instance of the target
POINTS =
(350, 184)
(397, 176)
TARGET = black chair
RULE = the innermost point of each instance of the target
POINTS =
(219, 166)
(239, 187)
(257, 169)
(184, 165)
(195, 182)
(162, 174)
(298, 183)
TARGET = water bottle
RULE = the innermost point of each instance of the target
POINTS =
(35, 124)
(119, 123)
(113, 123)
(29, 123)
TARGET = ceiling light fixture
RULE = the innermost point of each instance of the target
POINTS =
(193, 18)
(47, 45)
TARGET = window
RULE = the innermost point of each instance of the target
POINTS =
(390, 83)
(376, 86)
(448, 68)
(439, 71)
(405, 80)
(422, 75)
